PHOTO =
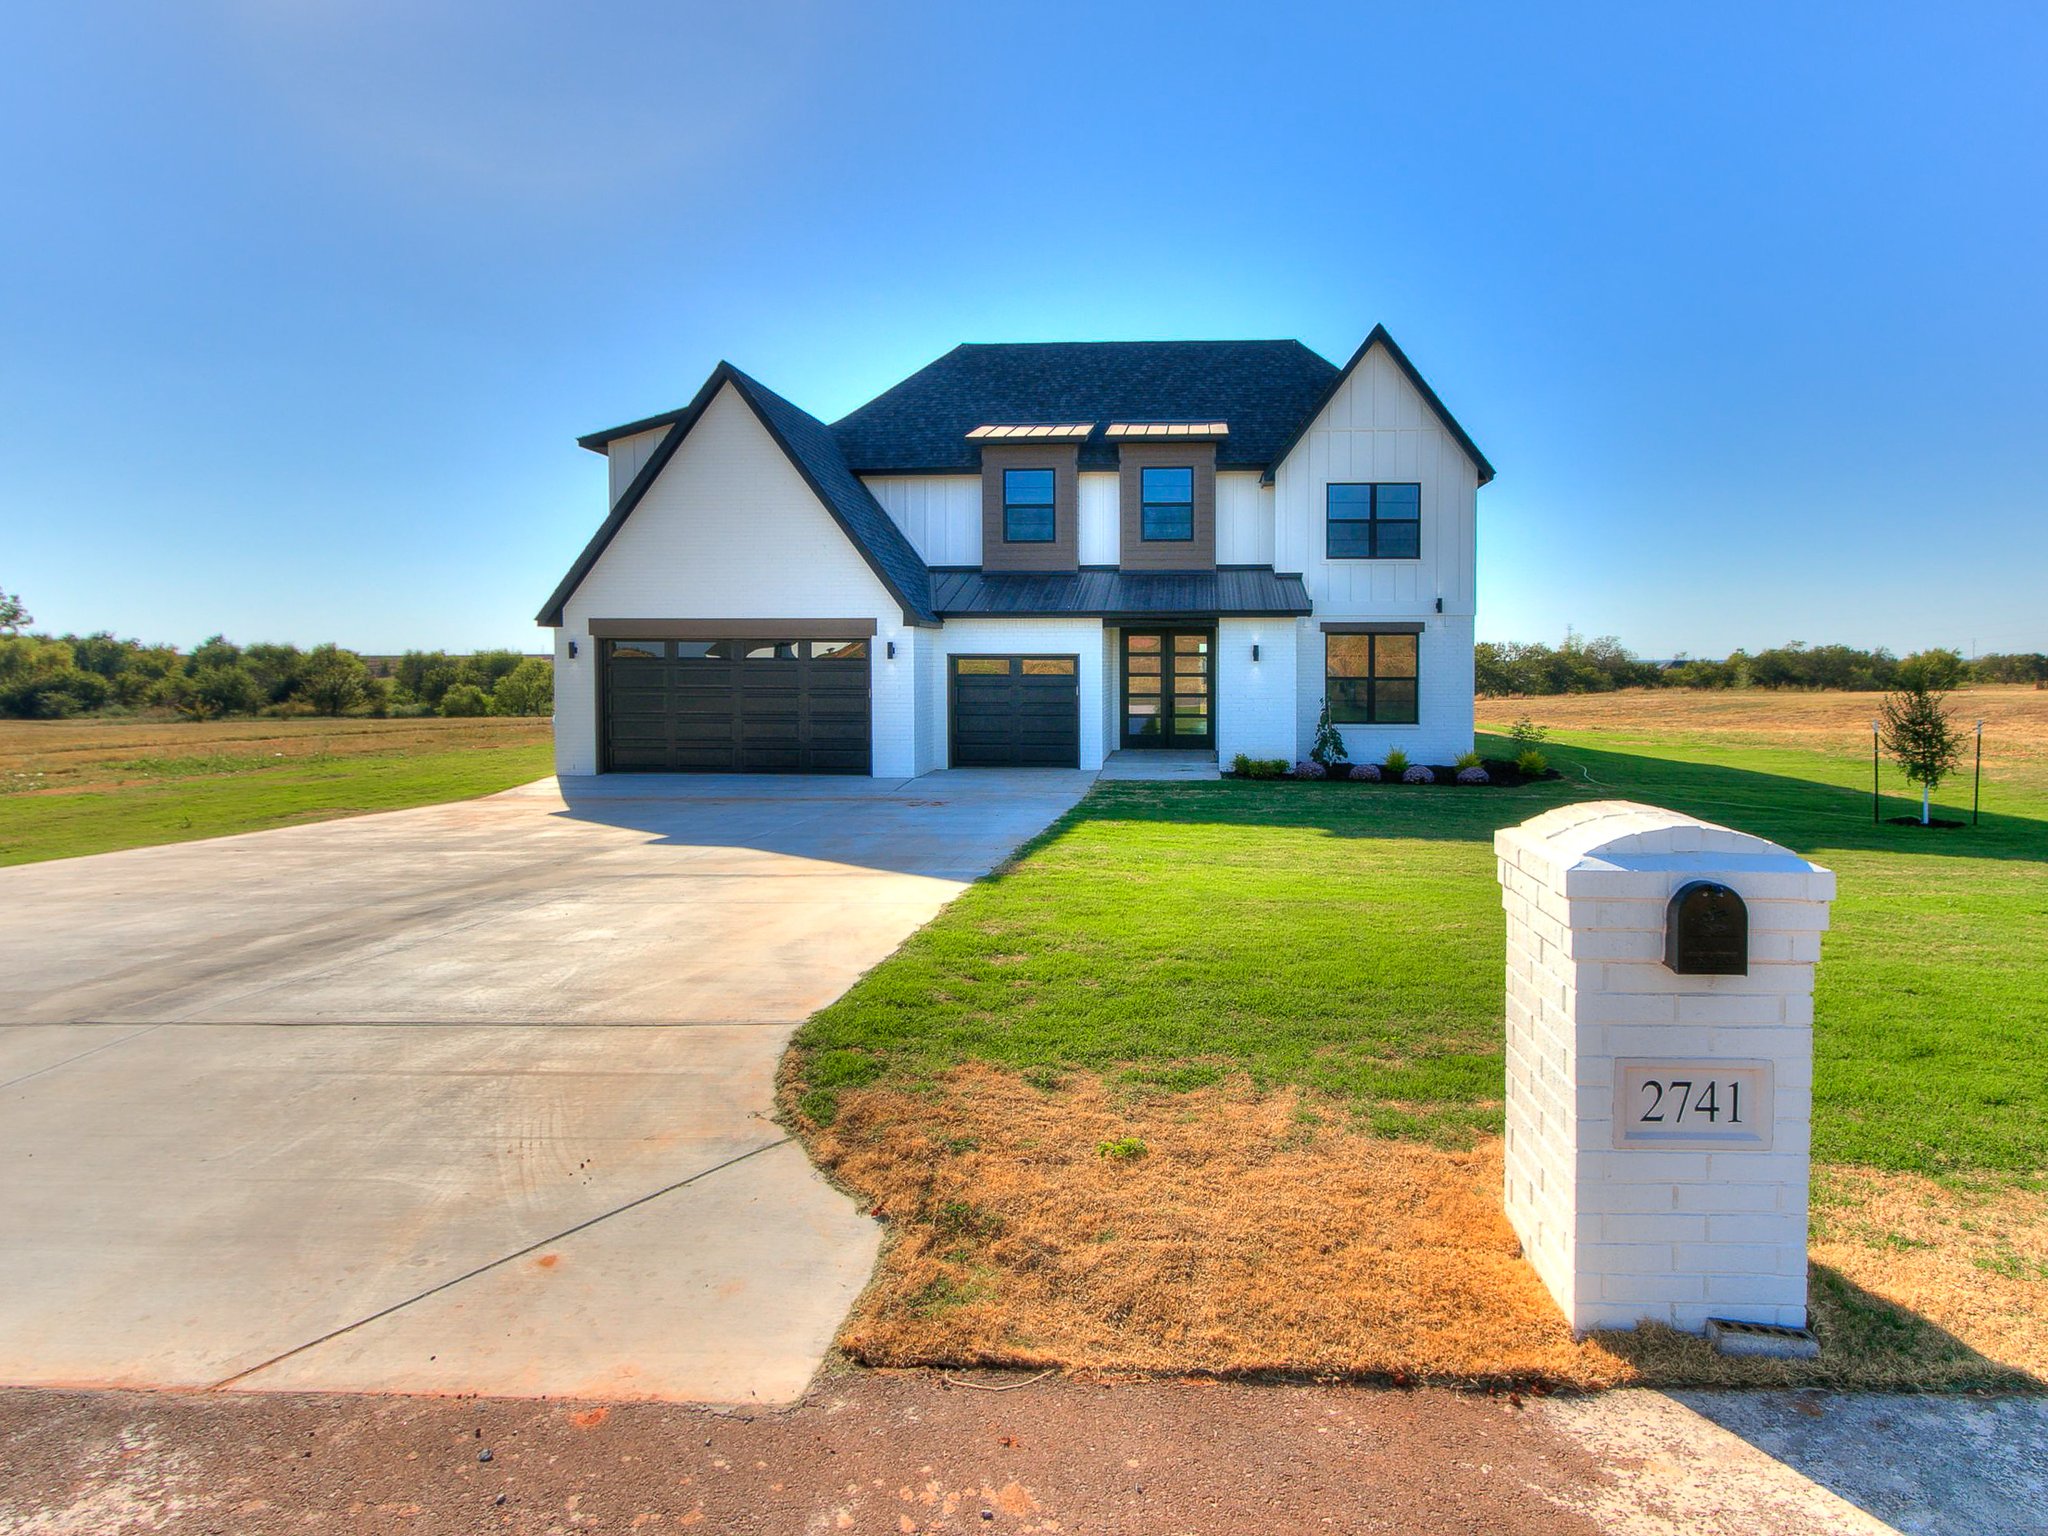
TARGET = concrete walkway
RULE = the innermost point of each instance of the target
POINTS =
(1132, 763)
(471, 1098)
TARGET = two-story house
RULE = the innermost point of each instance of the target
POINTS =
(1030, 554)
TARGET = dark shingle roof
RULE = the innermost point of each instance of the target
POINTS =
(1263, 389)
(1244, 592)
(815, 454)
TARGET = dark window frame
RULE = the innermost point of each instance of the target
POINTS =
(1050, 506)
(1372, 677)
(1372, 522)
(1146, 505)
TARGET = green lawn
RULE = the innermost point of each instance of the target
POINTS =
(154, 783)
(1350, 940)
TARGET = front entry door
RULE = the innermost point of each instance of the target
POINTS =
(1169, 689)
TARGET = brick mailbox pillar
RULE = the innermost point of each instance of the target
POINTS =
(1660, 1064)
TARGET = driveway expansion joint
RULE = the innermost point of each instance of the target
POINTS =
(497, 1263)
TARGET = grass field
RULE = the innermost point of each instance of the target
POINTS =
(1188, 956)
(91, 786)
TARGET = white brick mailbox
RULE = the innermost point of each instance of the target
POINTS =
(1660, 1064)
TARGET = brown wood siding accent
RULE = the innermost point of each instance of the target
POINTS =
(731, 629)
(1063, 553)
(1372, 627)
(1196, 554)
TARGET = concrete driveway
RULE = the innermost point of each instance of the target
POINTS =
(471, 1098)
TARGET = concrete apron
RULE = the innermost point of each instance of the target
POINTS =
(472, 1098)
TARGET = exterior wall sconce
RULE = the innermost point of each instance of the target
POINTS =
(892, 650)
(1439, 605)
(1255, 650)
(572, 650)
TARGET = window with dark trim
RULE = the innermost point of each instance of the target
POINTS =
(1166, 511)
(1374, 522)
(1370, 679)
(1028, 506)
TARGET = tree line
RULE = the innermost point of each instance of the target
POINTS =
(1579, 665)
(50, 677)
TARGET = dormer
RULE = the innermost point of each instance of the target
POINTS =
(1030, 494)
(1166, 493)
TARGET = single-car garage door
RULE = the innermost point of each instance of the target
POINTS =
(1016, 712)
(736, 706)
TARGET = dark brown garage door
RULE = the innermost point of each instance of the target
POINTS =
(736, 706)
(1016, 712)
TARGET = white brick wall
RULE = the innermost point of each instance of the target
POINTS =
(1029, 637)
(1620, 1235)
(1255, 700)
(1443, 729)
(731, 531)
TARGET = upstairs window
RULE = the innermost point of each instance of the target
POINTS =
(1167, 513)
(1370, 679)
(1027, 506)
(1375, 522)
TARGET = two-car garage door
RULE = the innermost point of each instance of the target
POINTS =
(736, 706)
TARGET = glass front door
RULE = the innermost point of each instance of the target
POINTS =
(1169, 688)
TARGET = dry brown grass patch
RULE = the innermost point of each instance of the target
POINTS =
(2015, 716)
(71, 755)
(1233, 1232)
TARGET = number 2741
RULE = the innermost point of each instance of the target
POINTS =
(1673, 1100)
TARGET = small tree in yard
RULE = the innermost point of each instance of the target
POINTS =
(1329, 747)
(1917, 731)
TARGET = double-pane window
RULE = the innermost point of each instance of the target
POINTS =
(1375, 522)
(1028, 506)
(1167, 505)
(1370, 679)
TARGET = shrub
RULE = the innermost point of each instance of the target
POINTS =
(1396, 764)
(1418, 775)
(1309, 769)
(1465, 760)
(1531, 764)
(54, 695)
(1366, 773)
(528, 689)
(1121, 1150)
(1472, 773)
(1241, 765)
(1329, 744)
(1526, 732)
(1269, 768)
(463, 700)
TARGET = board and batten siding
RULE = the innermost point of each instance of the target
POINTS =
(1376, 427)
(1100, 535)
(730, 530)
(939, 514)
(1244, 519)
(626, 455)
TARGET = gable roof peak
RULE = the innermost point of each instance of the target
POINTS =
(810, 447)
(1381, 337)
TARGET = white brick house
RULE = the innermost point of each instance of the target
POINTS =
(1030, 555)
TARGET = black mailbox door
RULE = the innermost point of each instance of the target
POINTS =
(1706, 931)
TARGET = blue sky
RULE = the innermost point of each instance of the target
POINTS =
(302, 305)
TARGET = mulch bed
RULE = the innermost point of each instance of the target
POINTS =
(1501, 773)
